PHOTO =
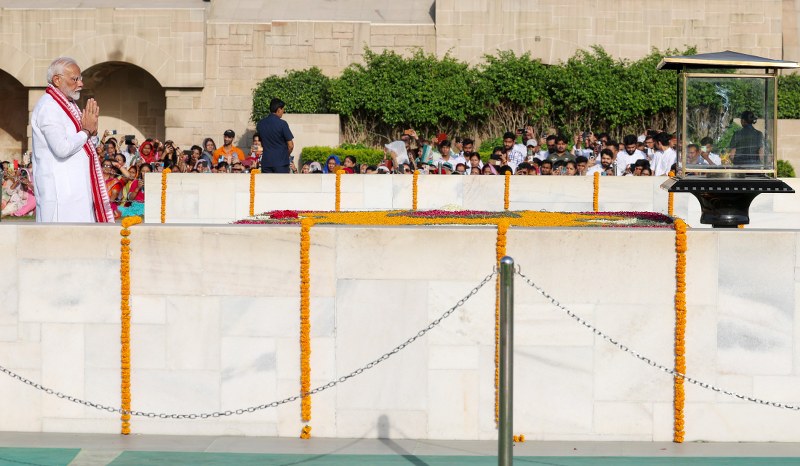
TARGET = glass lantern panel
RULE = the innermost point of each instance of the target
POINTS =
(729, 124)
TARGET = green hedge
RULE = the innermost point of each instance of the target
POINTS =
(789, 96)
(785, 169)
(591, 90)
(321, 153)
(305, 91)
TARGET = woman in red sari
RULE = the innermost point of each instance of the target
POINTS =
(147, 153)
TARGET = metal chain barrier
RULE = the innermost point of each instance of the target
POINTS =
(274, 404)
(644, 358)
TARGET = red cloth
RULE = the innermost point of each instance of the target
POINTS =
(153, 155)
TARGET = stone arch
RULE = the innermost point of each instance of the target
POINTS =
(17, 64)
(127, 49)
(13, 121)
(131, 100)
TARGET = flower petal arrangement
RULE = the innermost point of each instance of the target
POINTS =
(520, 218)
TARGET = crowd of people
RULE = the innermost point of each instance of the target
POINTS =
(125, 161)
(522, 153)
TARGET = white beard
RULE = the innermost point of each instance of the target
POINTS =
(75, 95)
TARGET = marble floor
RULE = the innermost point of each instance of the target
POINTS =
(119, 450)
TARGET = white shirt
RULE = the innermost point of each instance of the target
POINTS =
(61, 183)
(598, 167)
(624, 159)
(517, 155)
(663, 161)
(715, 159)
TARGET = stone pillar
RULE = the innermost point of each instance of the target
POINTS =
(185, 121)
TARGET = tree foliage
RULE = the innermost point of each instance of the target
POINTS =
(420, 91)
(305, 91)
(591, 90)
(789, 96)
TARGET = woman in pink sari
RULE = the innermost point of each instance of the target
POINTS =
(22, 200)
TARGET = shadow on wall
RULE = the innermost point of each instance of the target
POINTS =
(13, 121)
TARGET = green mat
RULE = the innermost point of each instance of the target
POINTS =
(152, 458)
(37, 456)
(63, 456)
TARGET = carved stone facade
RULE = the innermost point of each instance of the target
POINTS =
(186, 72)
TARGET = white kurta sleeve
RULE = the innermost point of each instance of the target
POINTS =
(62, 141)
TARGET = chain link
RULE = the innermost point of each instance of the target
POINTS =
(274, 404)
(646, 359)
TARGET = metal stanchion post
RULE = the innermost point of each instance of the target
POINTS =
(505, 456)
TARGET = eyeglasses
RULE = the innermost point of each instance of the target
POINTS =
(106, 166)
(75, 79)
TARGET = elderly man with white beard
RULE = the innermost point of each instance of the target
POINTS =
(68, 180)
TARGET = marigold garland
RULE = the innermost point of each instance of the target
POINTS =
(507, 190)
(502, 229)
(253, 174)
(671, 199)
(164, 194)
(519, 438)
(680, 329)
(305, 324)
(414, 187)
(596, 193)
(339, 190)
(125, 320)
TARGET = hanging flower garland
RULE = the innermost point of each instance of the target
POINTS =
(253, 174)
(502, 229)
(680, 329)
(125, 320)
(339, 190)
(164, 194)
(507, 189)
(671, 199)
(305, 325)
(596, 194)
(414, 187)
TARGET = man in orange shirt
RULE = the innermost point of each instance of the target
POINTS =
(228, 150)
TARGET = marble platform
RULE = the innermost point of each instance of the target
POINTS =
(215, 327)
(224, 198)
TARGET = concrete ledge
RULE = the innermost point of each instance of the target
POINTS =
(224, 198)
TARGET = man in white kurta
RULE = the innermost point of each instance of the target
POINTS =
(61, 167)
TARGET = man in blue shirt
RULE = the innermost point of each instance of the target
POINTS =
(276, 138)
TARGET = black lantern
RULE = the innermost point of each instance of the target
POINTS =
(727, 118)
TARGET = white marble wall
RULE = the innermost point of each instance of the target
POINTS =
(224, 198)
(215, 327)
